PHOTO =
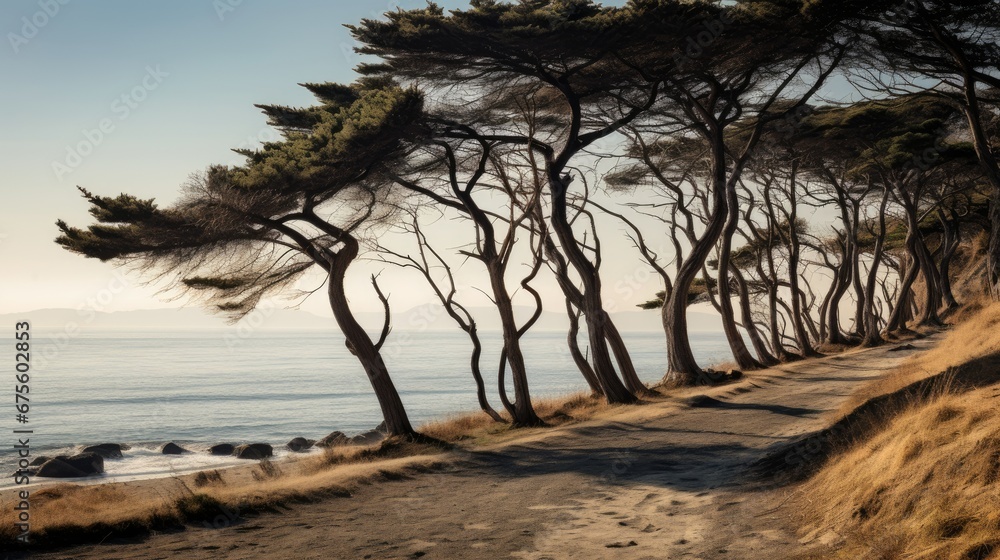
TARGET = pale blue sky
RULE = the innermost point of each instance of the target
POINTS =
(190, 72)
(67, 75)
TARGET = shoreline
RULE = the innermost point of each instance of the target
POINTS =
(623, 461)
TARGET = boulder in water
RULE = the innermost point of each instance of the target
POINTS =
(83, 464)
(106, 450)
(300, 444)
(222, 449)
(255, 451)
(172, 449)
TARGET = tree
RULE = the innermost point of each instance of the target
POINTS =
(453, 172)
(239, 234)
(561, 55)
(743, 75)
(950, 49)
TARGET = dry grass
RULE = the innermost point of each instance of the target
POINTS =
(67, 513)
(976, 335)
(926, 482)
(480, 429)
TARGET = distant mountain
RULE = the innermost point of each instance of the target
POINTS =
(428, 317)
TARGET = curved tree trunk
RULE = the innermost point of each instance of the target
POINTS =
(741, 353)
(477, 374)
(843, 282)
(950, 244)
(682, 368)
(901, 311)
(872, 335)
(780, 351)
(574, 350)
(523, 412)
(794, 255)
(763, 355)
(591, 302)
(396, 421)
(620, 351)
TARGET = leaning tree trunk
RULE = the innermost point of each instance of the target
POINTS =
(777, 345)
(843, 281)
(522, 411)
(794, 255)
(682, 368)
(872, 335)
(952, 239)
(396, 421)
(901, 312)
(591, 302)
(620, 350)
(477, 374)
(572, 339)
(573, 308)
(741, 353)
(925, 263)
(763, 355)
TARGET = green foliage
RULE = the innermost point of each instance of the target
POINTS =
(230, 236)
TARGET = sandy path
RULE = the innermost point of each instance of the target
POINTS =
(661, 481)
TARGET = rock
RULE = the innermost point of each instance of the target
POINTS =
(107, 450)
(333, 440)
(734, 374)
(83, 464)
(90, 463)
(370, 437)
(56, 468)
(300, 444)
(382, 429)
(255, 451)
(222, 449)
(172, 449)
(40, 460)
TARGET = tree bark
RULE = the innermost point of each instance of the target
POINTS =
(872, 336)
(591, 299)
(396, 421)
(682, 368)
(794, 254)
(763, 355)
(741, 353)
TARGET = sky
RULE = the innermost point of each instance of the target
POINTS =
(124, 96)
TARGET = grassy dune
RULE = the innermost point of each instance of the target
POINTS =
(924, 482)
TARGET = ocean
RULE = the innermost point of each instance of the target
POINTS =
(199, 388)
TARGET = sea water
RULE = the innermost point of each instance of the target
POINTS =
(200, 388)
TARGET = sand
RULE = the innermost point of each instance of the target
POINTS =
(664, 480)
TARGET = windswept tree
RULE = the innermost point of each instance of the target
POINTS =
(563, 56)
(763, 62)
(948, 49)
(239, 234)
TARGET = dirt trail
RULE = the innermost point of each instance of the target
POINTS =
(661, 481)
